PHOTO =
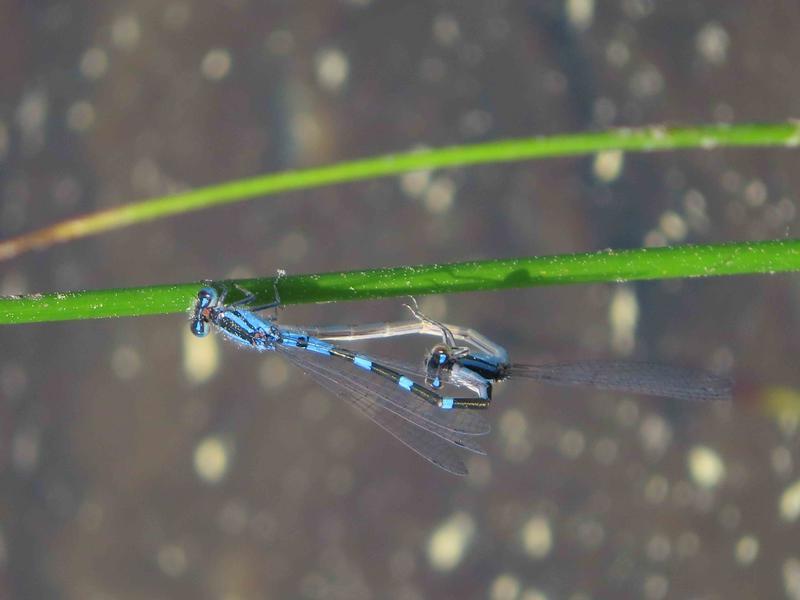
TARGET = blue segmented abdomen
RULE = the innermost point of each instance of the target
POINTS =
(315, 345)
(405, 383)
(301, 340)
(362, 362)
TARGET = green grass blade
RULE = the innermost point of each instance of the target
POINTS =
(629, 140)
(606, 266)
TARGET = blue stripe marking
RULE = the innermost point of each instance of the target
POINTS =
(447, 403)
(405, 383)
(362, 362)
(319, 348)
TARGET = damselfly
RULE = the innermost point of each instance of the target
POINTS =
(478, 363)
(423, 419)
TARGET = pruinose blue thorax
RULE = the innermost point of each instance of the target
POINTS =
(239, 325)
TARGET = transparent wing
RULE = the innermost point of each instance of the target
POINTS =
(433, 442)
(377, 390)
(462, 421)
(635, 377)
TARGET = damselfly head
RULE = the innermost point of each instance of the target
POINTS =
(207, 299)
(438, 357)
(437, 361)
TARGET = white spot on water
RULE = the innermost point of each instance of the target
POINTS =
(332, 69)
(305, 130)
(440, 195)
(790, 502)
(605, 451)
(658, 548)
(655, 434)
(655, 239)
(746, 550)
(580, 13)
(94, 63)
(647, 82)
(80, 116)
(695, 205)
(211, 459)
(755, 193)
(537, 537)
(572, 443)
(706, 467)
(656, 587)
(216, 64)
(781, 459)
(31, 118)
(25, 447)
(125, 32)
(623, 317)
(712, 43)
(607, 166)
(791, 577)
(446, 30)
(415, 183)
(673, 226)
(505, 587)
(450, 541)
(172, 560)
(532, 593)
(200, 357)
(617, 53)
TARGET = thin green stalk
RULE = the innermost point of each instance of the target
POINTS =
(605, 266)
(630, 140)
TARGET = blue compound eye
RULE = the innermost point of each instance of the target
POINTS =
(199, 327)
(207, 297)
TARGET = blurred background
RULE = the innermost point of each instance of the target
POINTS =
(138, 462)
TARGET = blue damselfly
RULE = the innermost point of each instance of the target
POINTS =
(477, 363)
(428, 422)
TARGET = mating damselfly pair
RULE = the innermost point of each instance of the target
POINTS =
(411, 402)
